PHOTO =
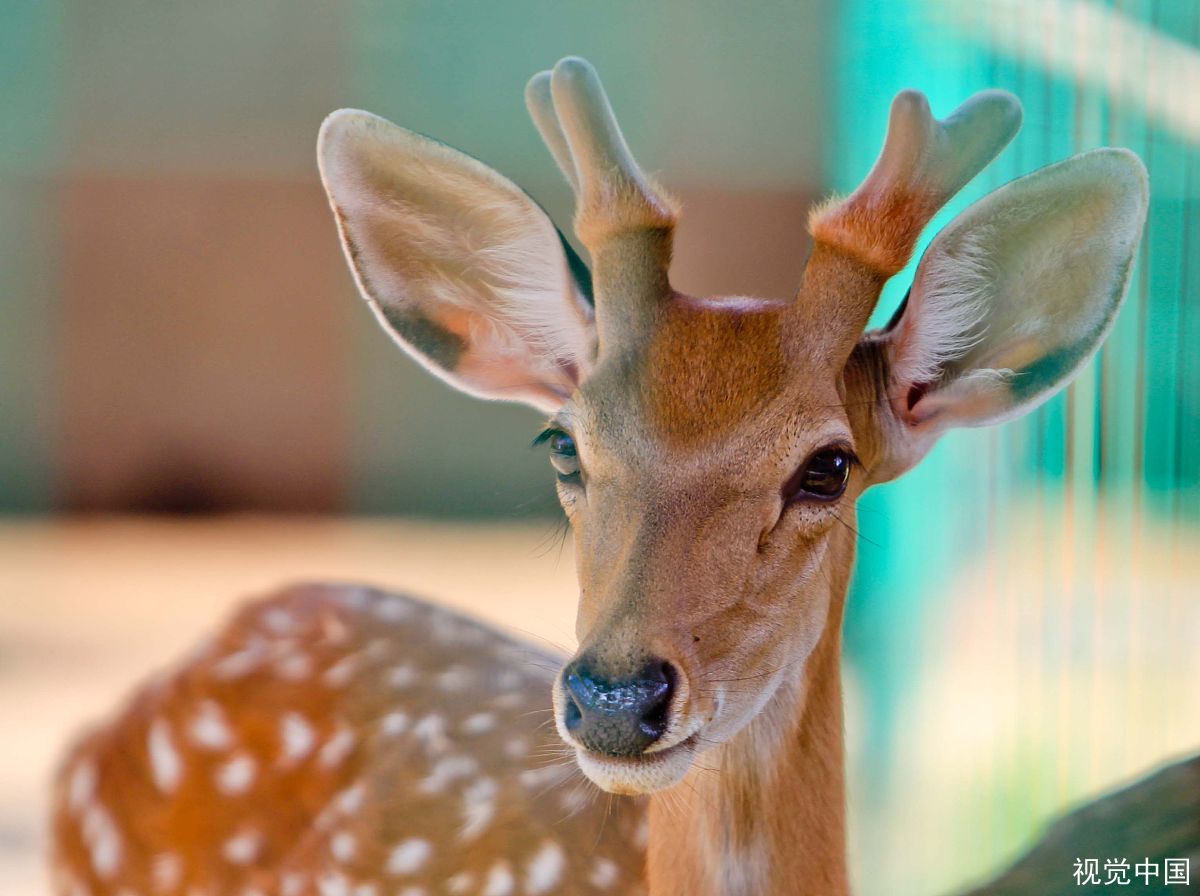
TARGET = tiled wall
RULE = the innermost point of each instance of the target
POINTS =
(178, 331)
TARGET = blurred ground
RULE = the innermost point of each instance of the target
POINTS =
(1042, 675)
(87, 609)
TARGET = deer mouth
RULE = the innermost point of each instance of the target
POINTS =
(638, 775)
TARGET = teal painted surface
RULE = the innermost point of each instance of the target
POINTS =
(30, 140)
(1116, 455)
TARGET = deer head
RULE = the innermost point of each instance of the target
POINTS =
(709, 451)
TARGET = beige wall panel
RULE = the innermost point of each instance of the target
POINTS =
(202, 347)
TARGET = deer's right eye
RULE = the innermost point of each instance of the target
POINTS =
(823, 477)
(563, 456)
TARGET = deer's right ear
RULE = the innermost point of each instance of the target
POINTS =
(462, 268)
(1009, 301)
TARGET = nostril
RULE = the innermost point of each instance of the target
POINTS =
(656, 713)
(654, 722)
(668, 675)
(572, 717)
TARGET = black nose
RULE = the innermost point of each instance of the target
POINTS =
(619, 716)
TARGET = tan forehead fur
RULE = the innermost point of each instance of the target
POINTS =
(704, 367)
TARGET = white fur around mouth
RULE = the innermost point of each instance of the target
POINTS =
(635, 775)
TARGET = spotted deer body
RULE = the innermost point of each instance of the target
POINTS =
(709, 451)
(340, 740)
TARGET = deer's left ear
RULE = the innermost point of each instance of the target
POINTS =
(462, 268)
(1011, 299)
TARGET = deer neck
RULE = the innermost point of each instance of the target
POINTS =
(764, 815)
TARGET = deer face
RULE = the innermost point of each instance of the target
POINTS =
(704, 499)
(709, 451)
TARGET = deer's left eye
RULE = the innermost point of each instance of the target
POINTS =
(823, 477)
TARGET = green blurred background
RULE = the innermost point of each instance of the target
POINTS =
(180, 346)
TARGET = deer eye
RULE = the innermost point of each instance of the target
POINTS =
(563, 456)
(822, 477)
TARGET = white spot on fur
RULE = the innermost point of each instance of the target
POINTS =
(544, 777)
(431, 732)
(209, 728)
(460, 884)
(99, 832)
(379, 649)
(166, 765)
(235, 776)
(242, 848)
(455, 680)
(344, 846)
(340, 673)
(292, 884)
(240, 663)
(604, 874)
(81, 785)
(508, 680)
(394, 723)
(392, 609)
(641, 834)
(409, 856)
(334, 630)
(298, 737)
(167, 871)
(337, 748)
(545, 869)
(367, 889)
(278, 620)
(412, 891)
(516, 747)
(480, 723)
(479, 807)
(333, 883)
(294, 666)
(574, 801)
(350, 800)
(500, 880)
(327, 817)
(403, 676)
(511, 700)
(446, 771)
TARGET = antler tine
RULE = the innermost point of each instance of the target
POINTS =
(870, 235)
(540, 103)
(614, 194)
(924, 162)
(623, 218)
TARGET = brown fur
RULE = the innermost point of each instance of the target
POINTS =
(691, 402)
(679, 477)
(765, 813)
(371, 789)
(618, 207)
(880, 231)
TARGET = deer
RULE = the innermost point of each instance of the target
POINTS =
(708, 453)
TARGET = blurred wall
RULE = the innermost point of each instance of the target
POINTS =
(1096, 492)
(179, 332)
